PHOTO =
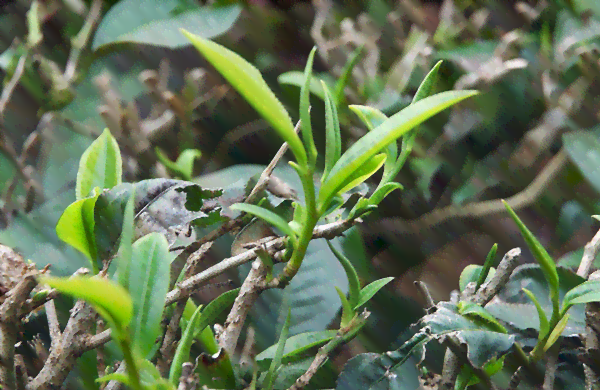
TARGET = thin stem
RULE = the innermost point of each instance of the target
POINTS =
(132, 369)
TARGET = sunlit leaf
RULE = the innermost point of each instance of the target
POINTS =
(389, 131)
(100, 166)
(148, 285)
(333, 146)
(266, 215)
(248, 81)
(584, 293)
(108, 298)
(544, 325)
(276, 362)
(363, 173)
(76, 227)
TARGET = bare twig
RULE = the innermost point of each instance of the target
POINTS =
(64, 354)
(188, 286)
(592, 341)
(78, 42)
(169, 341)
(21, 373)
(342, 336)
(263, 180)
(551, 362)
(9, 320)
(53, 325)
(589, 254)
(187, 380)
(251, 288)
(487, 292)
(12, 84)
(422, 287)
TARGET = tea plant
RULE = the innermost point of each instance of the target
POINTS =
(130, 249)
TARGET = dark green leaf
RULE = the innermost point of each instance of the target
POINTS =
(155, 22)
(100, 166)
(370, 290)
(583, 149)
(483, 344)
(487, 266)
(584, 293)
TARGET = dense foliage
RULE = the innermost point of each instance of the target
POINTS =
(202, 269)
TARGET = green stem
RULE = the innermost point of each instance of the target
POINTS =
(311, 219)
(132, 369)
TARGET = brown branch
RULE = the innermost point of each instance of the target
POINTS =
(9, 321)
(188, 286)
(187, 381)
(12, 84)
(53, 325)
(251, 288)
(488, 290)
(589, 255)
(592, 341)
(169, 341)
(342, 336)
(64, 353)
(79, 42)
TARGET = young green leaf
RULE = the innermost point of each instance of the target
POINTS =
(382, 192)
(276, 362)
(307, 135)
(248, 81)
(372, 118)
(196, 324)
(353, 281)
(76, 227)
(333, 145)
(148, 285)
(296, 346)
(584, 293)
(297, 79)
(543, 258)
(363, 173)
(184, 165)
(556, 332)
(125, 253)
(99, 166)
(347, 311)
(544, 325)
(370, 290)
(478, 314)
(489, 261)
(389, 131)
(266, 215)
(182, 353)
(471, 274)
(340, 85)
(428, 84)
(34, 33)
(108, 298)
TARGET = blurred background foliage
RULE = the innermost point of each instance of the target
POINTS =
(532, 136)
